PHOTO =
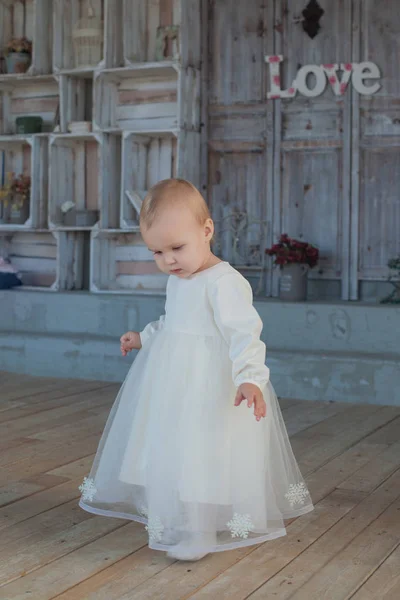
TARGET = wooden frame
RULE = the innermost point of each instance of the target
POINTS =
(139, 98)
(32, 19)
(46, 260)
(89, 166)
(22, 95)
(28, 155)
(121, 263)
(138, 109)
(65, 16)
(146, 159)
(76, 100)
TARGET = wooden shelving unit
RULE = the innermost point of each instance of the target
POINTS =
(140, 104)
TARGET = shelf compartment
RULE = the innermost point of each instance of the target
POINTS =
(121, 263)
(27, 155)
(146, 159)
(84, 171)
(32, 19)
(137, 99)
(24, 95)
(49, 261)
(65, 17)
(76, 100)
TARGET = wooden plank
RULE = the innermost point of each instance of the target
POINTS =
(368, 477)
(54, 398)
(330, 475)
(135, 34)
(303, 416)
(114, 550)
(204, 97)
(143, 125)
(115, 33)
(351, 432)
(155, 110)
(147, 282)
(135, 251)
(17, 491)
(41, 493)
(294, 581)
(92, 175)
(384, 583)
(137, 96)
(232, 575)
(29, 425)
(34, 264)
(137, 268)
(18, 386)
(341, 576)
(67, 528)
(152, 22)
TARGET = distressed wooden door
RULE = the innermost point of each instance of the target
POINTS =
(237, 137)
(375, 202)
(310, 196)
(324, 169)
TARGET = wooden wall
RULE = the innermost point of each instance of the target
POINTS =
(324, 169)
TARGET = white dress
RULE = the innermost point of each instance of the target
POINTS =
(176, 454)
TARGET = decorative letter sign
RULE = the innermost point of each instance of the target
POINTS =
(301, 81)
(323, 74)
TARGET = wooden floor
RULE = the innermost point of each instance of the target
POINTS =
(349, 547)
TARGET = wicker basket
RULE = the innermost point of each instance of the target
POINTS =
(87, 35)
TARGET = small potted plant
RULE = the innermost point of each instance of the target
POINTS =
(15, 198)
(18, 55)
(294, 258)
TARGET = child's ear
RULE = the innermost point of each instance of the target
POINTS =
(209, 230)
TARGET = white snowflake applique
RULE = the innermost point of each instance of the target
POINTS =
(88, 489)
(297, 493)
(143, 511)
(155, 529)
(240, 525)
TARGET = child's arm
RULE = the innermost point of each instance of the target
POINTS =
(134, 340)
(231, 298)
(151, 328)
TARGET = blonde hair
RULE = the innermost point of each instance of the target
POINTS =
(172, 192)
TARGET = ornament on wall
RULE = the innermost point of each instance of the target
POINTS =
(231, 241)
(167, 43)
(312, 14)
(356, 72)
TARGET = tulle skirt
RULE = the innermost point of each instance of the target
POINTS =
(179, 457)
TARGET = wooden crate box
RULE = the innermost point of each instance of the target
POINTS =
(85, 173)
(140, 98)
(46, 261)
(148, 158)
(121, 263)
(22, 95)
(161, 29)
(76, 100)
(27, 155)
(66, 15)
(32, 19)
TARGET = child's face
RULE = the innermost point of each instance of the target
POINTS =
(180, 245)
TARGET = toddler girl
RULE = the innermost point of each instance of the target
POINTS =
(195, 446)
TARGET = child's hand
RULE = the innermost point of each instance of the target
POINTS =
(130, 341)
(253, 395)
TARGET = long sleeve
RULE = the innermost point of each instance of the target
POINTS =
(231, 298)
(151, 328)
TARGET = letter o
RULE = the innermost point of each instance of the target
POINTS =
(301, 81)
